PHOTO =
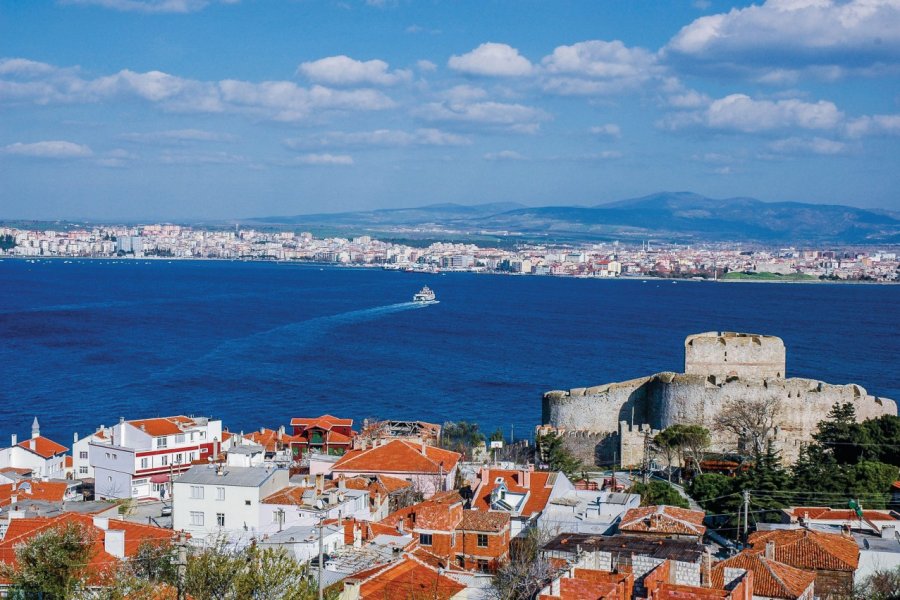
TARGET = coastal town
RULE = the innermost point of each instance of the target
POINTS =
(717, 261)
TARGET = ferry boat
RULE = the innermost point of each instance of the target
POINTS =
(425, 296)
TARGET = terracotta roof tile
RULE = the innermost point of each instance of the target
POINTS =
(663, 519)
(409, 578)
(539, 490)
(839, 514)
(292, 494)
(398, 456)
(162, 425)
(270, 438)
(323, 422)
(43, 447)
(807, 549)
(49, 491)
(479, 520)
(770, 578)
(427, 515)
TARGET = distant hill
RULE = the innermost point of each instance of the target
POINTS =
(678, 216)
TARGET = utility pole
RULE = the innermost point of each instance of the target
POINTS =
(181, 564)
(746, 513)
(321, 557)
(645, 461)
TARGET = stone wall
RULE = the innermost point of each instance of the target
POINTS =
(664, 399)
(744, 355)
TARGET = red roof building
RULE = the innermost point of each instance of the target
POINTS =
(523, 493)
(428, 468)
(41, 455)
(771, 579)
(664, 521)
(325, 434)
(408, 577)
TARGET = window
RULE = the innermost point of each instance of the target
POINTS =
(178, 458)
(82, 470)
(246, 502)
(483, 566)
(197, 492)
(107, 456)
(179, 439)
(162, 442)
(192, 436)
(425, 539)
(197, 518)
(164, 459)
(82, 455)
(144, 463)
(482, 540)
(220, 493)
(202, 435)
(220, 519)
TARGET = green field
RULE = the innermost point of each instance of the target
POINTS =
(765, 276)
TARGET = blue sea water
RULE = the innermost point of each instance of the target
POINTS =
(255, 344)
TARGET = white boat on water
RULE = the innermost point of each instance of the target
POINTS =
(425, 296)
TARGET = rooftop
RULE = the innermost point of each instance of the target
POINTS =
(680, 550)
(230, 476)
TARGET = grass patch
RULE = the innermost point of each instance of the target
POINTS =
(765, 276)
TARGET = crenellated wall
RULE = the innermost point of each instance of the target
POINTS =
(667, 398)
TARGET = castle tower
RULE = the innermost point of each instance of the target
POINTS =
(727, 354)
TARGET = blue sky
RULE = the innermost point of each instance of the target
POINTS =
(180, 109)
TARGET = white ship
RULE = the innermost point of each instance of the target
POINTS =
(425, 296)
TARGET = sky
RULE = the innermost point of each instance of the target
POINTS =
(218, 109)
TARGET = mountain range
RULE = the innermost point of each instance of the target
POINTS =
(671, 216)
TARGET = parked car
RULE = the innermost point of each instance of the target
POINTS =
(166, 510)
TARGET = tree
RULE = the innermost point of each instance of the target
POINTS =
(527, 570)
(767, 482)
(752, 421)
(551, 450)
(461, 436)
(53, 563)
(658, 492)
(883, 584)
(665, 441)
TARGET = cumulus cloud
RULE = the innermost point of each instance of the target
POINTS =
(815, 145)
(492, 60)
(504, 155)
(874, 125)
(49, 149)
(379, 137)
(177, 136)
(150, 6)
(343, 71)
(323, 160)
(513, 117)
(610, 130)
(426, 66)
(278, 100)
(780, 38)
(739, 112)
(597, 67)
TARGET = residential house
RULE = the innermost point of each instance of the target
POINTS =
(308, 502)
(734, 584)
(81, 463)
(523, 493)
(138, 459)
(277, 445)
(324, 435)
(458, 538)
(664, 521)
(832, 558)
(428, 468)
(385, 492)
(577, 584)
(42, 456)
(408, 577)
(218, 499)
(869, 520)
(586, 511)
(771, 579)
(302, 541)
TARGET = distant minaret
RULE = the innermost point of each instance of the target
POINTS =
(35, 429)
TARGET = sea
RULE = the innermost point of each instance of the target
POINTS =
(85, 342)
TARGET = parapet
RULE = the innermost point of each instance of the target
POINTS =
(747, 356)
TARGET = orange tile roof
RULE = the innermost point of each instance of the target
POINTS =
(479, 520)
(538, 491)
(49, 491)
(771, 579)
(162, 425)
(663, 519)
(269, 439)
(590, 584)
(428, 515)
(408, 578)
(839, 514)
(324, 422)
(398, 456)
(43, 447)
(292, 494)
(807, 549)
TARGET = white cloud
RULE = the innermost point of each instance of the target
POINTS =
(49, 149)
(379, 137)
(855, 35)
(150, 6)
(608, 130)
(504, 155)
(201, 158)
(343, 70)
(597, 67)
(815, 145)
(175, 136)
(426, 66)
(739, 112)
(874, 125)
(463, 93)
(493, 60)
(513, 117)
(323, 159)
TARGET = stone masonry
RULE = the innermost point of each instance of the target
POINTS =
(720, 368)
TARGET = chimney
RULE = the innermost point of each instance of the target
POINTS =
(342, 483)
(121, 420)
(770, 550)
(320, 483)
(114, 542)
(888, 532)
(14, 440)
(351, 589)
(14, 498)
(31, 444)
(526, 478)
(75, 438)
(101, 523)
(357, 535)
(423, 449)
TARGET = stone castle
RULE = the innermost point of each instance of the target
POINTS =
(607, 424)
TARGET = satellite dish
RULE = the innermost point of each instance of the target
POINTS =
(319, 504)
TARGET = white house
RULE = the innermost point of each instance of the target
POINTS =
(219, 499)
(302, 505)
(81, 464)
(137, 459)
(42, 456)
(302, 541)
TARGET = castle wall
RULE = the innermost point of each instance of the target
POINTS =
(744, 355)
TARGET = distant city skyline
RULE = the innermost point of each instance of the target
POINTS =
(202, 109)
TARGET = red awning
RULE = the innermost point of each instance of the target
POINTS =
(163, 478)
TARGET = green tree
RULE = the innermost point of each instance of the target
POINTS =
(461, 436)
(767, 482)
(666, 441)
(658, 492)
(52, 564)
(551, 450)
